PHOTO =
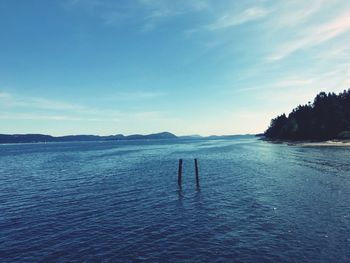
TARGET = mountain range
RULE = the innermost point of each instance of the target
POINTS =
(32, 138)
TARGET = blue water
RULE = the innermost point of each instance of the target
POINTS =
(120, 202)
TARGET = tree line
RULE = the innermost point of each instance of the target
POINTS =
(328, 117)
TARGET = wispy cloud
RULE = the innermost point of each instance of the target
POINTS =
(289, 83)
(32, 116)
(11, 100)
(113, 17)
(135, 95)
(147, 14)
(293, 82)
(14, 107)
(335, 53)
(231, 20)
(5, 96)
(45, 107)
(157, 12)
(88, 5)
(293, 13)
(165, 8)
(315, 36)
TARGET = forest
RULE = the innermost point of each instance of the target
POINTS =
(326, 118)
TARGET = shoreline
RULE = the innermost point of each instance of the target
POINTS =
(328, 143)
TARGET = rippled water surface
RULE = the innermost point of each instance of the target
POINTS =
(119, 202)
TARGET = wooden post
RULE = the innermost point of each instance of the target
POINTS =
(197, 172)
(179, 176)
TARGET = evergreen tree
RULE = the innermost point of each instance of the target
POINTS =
(328, 117)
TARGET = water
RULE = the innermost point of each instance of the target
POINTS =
(119, 202)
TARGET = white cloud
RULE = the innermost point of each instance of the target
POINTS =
(159, 11)
(31, 116)
(296, 12)
(227, 122)
(315, 36)
(231, 20)
(14, 101)
(293, 82)
(25, 104)
(14, 107)
(290, 82)
(135, 95)
(147, 14)
(5, 96)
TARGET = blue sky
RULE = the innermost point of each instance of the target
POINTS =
(186, 66)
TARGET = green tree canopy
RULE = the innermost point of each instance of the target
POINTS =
(328, 117)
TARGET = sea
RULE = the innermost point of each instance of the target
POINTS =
(120, 202)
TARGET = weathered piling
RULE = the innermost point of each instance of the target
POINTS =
(197, 172)
(179, 176)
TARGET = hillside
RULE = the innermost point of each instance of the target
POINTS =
(327, 117)
(31, 138)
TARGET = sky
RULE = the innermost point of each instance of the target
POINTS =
(185, 66)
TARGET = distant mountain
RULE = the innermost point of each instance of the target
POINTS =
(195, 136)
(32, 138)
(328, 117)
(157, 136)
(23, 138)
(217, 137)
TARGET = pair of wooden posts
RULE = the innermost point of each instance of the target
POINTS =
(179, 177)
